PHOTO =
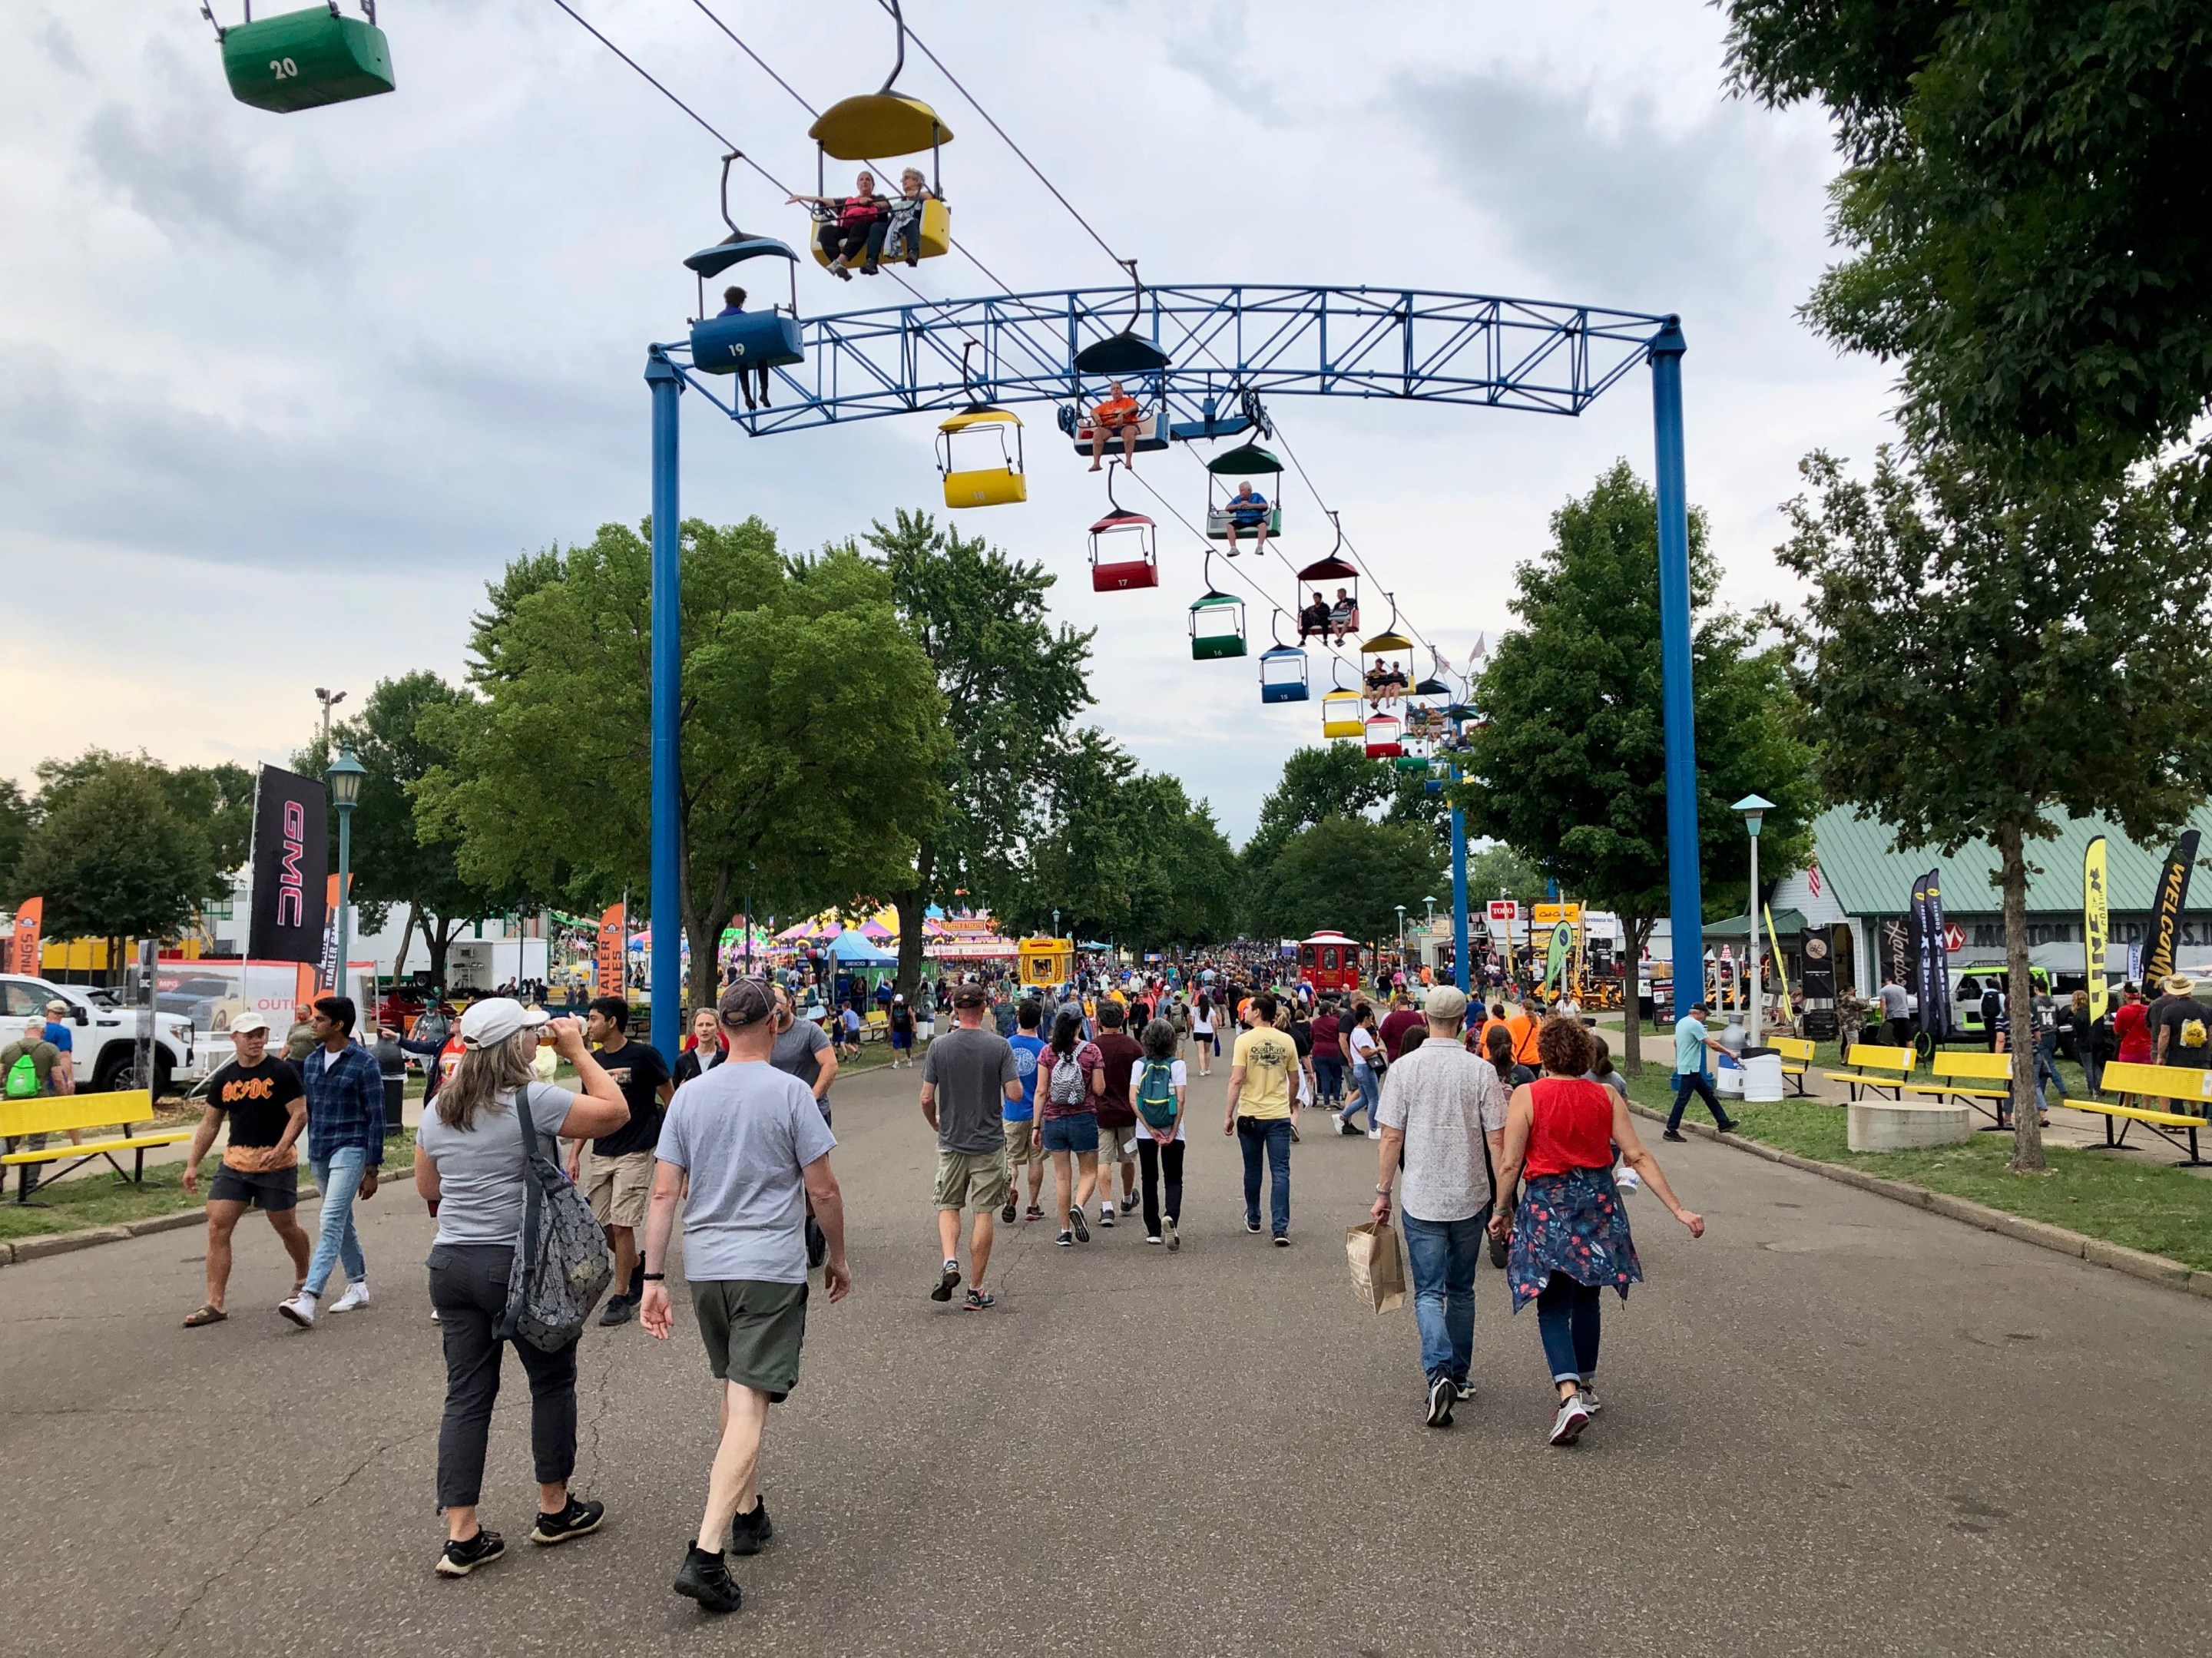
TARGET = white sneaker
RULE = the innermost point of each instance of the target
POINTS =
(1572, 1418)
(1374, 1133)
(356, 1294)
(300, 1309)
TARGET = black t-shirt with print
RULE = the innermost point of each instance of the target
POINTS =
(638, 1070)
(256, 1098)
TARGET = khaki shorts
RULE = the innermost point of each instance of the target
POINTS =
(620, 1189)
(1021, 1142)
(752, 1330)
(964, 1177)
(1111, 1140)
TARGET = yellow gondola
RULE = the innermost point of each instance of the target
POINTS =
(884, 123)
(1340, 714)
(989, 485)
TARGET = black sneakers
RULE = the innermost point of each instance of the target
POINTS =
(579, 1519)
(749, 1532)
(460, 1559)
(1075, 1220)
(1008, 1213)
(817, 1244)
(942, 1290)
(980, 1301)
(620, 1309)
(706, 1578)
(1441, 1394)
(1672, 1134)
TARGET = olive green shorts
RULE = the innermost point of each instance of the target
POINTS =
(1021, 1142)
(964, 1177)
(753, 1331)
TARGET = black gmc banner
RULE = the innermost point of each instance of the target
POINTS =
(291, 868)
(2166, 914)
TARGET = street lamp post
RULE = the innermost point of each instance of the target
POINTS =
(1753, 808)
(330, 698)
(1402, 937)
(345, 775)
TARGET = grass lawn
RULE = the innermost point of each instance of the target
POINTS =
(100, 1199)
(2165, 1211)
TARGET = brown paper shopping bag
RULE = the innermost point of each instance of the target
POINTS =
(1377, 1271)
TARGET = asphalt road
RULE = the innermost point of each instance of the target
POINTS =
(1835, 1425)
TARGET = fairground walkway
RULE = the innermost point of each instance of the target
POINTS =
(1836, 1425)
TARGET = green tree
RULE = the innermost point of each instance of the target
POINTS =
(1347, 873)
(2027, 209)
(114, 859)
(1499, 872)
(811, 729)
(16, 819)
(1569, 769)
(214, 802)
(1011, 684)
(1980, 665)
(1330, 779)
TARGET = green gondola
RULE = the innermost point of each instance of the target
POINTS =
(305, 59)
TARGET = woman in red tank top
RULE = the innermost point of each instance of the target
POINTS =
(1569, 1231)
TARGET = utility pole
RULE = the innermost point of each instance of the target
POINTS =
(328, 699)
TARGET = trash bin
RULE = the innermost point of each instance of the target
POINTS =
(1728, 1077)
(1762, 1076)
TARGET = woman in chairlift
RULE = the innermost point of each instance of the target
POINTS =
(852, 225)
(902, 229)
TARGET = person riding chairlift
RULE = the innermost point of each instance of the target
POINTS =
(1343, 615)
(1119, 414)
(854, 224)
(1248, 510)
(1384, 681)
(733, 304)
(1313, 621)
(902, 232)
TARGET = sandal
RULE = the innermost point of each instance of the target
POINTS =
(210, 1314)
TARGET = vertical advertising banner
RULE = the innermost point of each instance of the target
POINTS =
(1937, 1020)
(327, 972)
(612, 968)
(1895, 945)
(1922, 970)
(23, 943)
(2165, 912)
(2096, 924)
(291, 869)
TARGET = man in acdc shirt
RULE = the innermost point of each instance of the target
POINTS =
(266, 1107)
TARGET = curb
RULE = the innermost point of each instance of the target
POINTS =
(41, 1245)
(2152, 1269)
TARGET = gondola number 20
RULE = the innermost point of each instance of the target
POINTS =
(284, 68)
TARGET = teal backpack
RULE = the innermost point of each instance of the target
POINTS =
(1155, 1100)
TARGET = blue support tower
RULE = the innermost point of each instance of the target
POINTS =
(667, 686)
(1460, 976)
(1684, 892)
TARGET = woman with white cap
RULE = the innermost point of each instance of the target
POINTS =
(470, 1169)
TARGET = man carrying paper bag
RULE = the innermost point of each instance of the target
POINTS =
(1445, 1110)
(1376, 1271)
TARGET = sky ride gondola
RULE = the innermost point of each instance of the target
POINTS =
(1282, 670)
(987, 485)
(1381, 736)
(1217, 622)
(740, 340)
(1127, 352)
(1339, 711)
(1124, 547)
(1389, 657)
(1244, 463)
(886, 123)
(304, 59)
(1333, 615)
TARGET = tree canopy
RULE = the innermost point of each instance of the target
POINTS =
(113, 857)
(1349, 873)
(2027, 209)
(1979, 665)
(1568, 767)
(810, 720)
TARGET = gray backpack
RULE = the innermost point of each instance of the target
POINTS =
(562, 1267)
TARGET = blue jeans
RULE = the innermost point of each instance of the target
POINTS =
(1271, 1134)
(1328, 1076)
(2092, 1073)
(338, 1177)
(1567, 1318)
(1370, 1093)
(1694, 1082)
(1443, 1255)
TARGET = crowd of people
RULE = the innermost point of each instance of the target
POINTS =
(1496, 1132)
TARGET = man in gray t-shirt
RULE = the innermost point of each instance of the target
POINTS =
(1445, 1109)
(803, 1050)
(968, 1076)
(755, 1151)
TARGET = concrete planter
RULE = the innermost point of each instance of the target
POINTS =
(1885, 1126)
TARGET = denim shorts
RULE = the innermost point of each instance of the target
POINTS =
(1077, 1133)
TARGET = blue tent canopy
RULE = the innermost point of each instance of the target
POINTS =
(849, 949)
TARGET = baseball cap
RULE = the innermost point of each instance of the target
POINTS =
(970, 995)
(243, 1023)
(745, 1002)
(1446, 1005)
(493, 1020)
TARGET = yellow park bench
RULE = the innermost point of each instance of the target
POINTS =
(127, 1109)
(2179, 1084)
(1875, 1069)
(1972, 1079)
(1797, 1053)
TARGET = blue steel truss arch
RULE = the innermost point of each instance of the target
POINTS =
(1403, 344)
(1222, 343)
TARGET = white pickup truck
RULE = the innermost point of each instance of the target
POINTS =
(103, 1038)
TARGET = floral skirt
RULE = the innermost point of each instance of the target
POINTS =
(1573, 1224)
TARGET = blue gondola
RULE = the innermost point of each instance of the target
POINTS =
(1283, 669)
(747, 339)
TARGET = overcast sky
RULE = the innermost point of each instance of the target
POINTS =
(279, 393)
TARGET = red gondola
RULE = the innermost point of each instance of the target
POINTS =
(1124, 547)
